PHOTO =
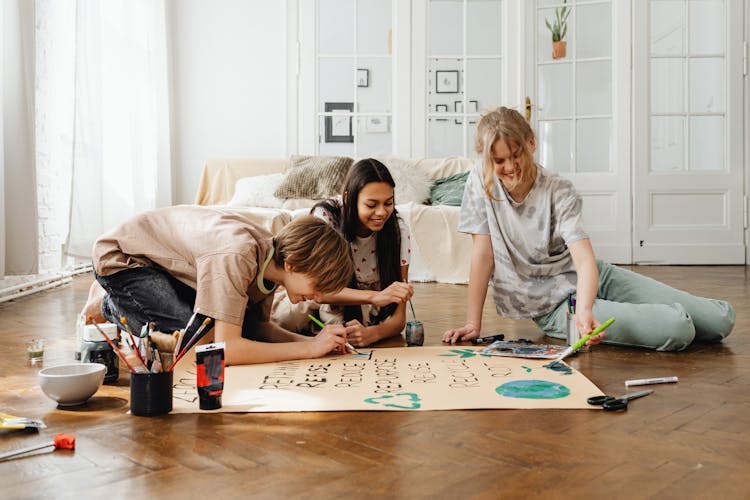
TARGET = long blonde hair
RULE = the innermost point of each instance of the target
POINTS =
(504, 124)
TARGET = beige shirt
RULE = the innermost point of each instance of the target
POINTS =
(217, 252)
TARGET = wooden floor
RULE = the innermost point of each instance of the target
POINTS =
(688, 440)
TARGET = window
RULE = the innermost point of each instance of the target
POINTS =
(354, 77)
(464, 71)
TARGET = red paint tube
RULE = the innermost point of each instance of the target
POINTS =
(210, 376)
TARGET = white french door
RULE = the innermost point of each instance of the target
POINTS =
(580, 109)
(688, 163)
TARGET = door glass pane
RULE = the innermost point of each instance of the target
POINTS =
(594, 30)
(374, 135)
(373, 27)
(335, 80)
(335, 30)
(594, 88)
(707, 85)
(707, 143)
(336, 136)
(667, 27)
(444, 138)
(483, 83)
(593, 145)
(556, 90)
(706, 26)
(374, 84)
(470, 141)
(446, 27)
(667, 86)
(667, 143)
(483, 37)
(555, 138)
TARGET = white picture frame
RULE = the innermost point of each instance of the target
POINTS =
(446, 81)
(376, 124)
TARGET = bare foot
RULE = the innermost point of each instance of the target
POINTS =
(93, 307)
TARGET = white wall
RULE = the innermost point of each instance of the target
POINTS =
(20, 236)
(228, 84)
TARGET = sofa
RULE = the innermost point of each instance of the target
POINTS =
(439, 252)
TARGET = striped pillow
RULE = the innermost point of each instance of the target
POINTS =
(314, 177)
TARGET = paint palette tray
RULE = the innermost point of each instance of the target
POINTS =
(516, 349)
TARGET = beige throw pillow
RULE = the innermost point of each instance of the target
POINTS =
(315, 177)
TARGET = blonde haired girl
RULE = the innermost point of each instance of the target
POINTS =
(529, 244)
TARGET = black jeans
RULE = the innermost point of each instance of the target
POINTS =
(145, 294)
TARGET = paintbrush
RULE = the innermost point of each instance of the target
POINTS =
(61, 442)
(570, 350)
(112, 344)
(412, 310)
(198, 334)
(136, 347)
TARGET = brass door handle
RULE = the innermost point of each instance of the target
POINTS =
(528, 109)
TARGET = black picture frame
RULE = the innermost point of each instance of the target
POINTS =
(441, 108)
(473, 108)
(446, 81)
(363, 77)
(334, 125)
(458, 107)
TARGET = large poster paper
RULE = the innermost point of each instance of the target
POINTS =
(405, 379)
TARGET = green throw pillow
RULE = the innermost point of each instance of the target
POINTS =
(449, 190)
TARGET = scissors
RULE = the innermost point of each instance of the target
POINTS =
(611, 403)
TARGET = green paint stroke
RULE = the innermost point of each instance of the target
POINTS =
(533, 389)
(464, 353)
(528, 370)
(404, 398)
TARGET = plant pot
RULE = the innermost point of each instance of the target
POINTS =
(558, 49)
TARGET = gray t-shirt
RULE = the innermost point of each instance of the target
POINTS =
(534, 270)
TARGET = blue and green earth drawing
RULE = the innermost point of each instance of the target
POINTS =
(533, 389)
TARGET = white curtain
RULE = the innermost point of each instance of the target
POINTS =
(120, 129)
(18, 232)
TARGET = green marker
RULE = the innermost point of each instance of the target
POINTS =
(570, 350)
(322, 325)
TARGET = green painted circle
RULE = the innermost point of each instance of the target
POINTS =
(533, 389)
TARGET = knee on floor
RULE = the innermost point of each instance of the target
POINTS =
(720, 325)
(677, 327)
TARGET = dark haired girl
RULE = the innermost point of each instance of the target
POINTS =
(374, 306)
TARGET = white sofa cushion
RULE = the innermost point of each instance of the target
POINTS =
(257, 191)
(412, 183)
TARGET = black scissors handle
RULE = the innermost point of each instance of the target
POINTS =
(610, 403)
(599, 400)
(615, 404)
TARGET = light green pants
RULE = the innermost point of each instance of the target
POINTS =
(648, 313)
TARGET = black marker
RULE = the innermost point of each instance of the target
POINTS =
(492, 338)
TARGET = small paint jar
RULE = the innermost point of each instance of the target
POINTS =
(94, 349)
(414, 333)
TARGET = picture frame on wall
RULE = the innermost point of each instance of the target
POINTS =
(473, 108)
(446, 81)
(338, 127)
(441, 108)
(363, 77)
(376, 124)
(458, 107)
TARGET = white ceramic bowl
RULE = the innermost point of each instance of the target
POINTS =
(71, 384)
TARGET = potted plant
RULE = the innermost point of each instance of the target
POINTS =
(559, 28)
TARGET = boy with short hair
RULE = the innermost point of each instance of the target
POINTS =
(163, 264)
